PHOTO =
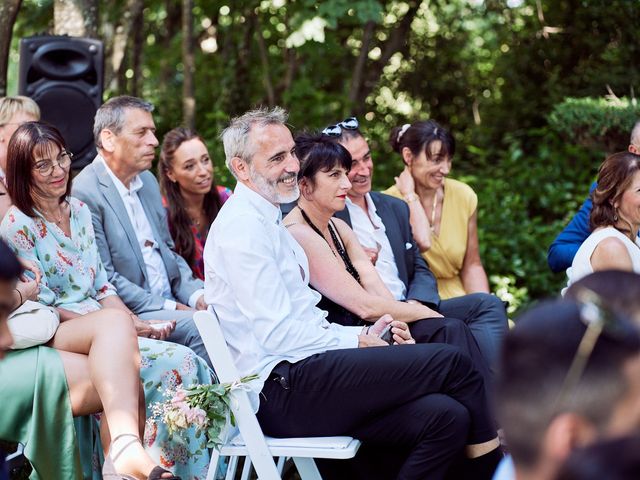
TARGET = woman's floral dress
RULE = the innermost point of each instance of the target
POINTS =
(75, 279)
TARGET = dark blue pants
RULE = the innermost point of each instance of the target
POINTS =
(421, 402)
(485, 316)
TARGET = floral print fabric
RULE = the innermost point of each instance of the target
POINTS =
(74, 278)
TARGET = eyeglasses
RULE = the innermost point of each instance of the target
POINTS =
(46, 167)
(350, 123)
(598, 318)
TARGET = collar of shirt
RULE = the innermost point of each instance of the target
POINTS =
(261, 204)
(371, 232)
(135, 185)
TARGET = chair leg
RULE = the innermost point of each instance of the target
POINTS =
(307, 468)
(280, 464)
(232, 468)
(213, 465)
(246, 468)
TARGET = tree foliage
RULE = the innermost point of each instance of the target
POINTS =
(495, 71)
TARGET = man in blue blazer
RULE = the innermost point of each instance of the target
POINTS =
(567, 243)
(399, 261)
(131, 226)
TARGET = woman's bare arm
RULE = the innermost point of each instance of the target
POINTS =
(331, 279)
(611, 254)
(369, 278)
(474, 278)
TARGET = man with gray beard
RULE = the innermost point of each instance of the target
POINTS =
(414, 407)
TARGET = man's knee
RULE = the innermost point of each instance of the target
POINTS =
(441, 416)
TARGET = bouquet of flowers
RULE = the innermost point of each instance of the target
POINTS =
(205, 407)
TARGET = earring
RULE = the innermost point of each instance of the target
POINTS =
(615, 215)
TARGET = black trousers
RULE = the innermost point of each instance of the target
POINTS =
(456, 333)
(422, 403)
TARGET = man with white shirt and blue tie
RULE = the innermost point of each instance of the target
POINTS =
(131, 227)
(415, 407)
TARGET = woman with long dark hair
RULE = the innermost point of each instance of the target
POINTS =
(190, 194)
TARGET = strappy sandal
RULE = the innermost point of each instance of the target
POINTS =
(109, 470)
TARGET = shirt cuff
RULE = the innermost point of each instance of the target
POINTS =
(348, 337)
(169, 304)
(193, 299)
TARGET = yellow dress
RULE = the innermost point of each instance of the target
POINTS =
(448, 248)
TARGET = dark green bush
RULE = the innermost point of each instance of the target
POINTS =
(603, 123)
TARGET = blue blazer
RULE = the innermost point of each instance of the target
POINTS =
(118, 244)
(567, 243)
(412, 268)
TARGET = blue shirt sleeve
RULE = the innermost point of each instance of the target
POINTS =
(567, 243)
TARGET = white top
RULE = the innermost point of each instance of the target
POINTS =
(581, 266)
(371, 232)
(156, 270)
(257, 281)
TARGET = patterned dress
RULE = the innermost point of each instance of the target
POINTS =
(75, 279)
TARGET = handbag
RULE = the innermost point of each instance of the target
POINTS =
(32, 324)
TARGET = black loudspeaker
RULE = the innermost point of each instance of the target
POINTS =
(64, 75)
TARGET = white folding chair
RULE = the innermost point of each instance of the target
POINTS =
(250, 441)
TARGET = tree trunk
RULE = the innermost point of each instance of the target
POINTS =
(358, 71)
(8, 13)
(76, 18)
(136, 60)
(397, 41)
(188, 92)
(113, 68)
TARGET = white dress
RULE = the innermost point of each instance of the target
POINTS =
(581, 266)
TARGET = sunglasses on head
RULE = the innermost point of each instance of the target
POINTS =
(599, 319)
(350, 123)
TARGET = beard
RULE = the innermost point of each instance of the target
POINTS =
(269, 188)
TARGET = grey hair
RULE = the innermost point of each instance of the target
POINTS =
(235, 138)
(111, 115)
(635, 134)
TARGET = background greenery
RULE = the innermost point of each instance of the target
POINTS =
(536, 92)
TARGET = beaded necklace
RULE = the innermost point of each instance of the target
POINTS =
(338, 244)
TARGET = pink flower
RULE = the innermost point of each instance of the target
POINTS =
(180, 397)
(197, 416)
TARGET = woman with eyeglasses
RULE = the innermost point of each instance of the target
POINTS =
(190, 194)
(443, 211)
(615, 220)
(53, 230)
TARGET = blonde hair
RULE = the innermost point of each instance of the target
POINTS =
(9, 106)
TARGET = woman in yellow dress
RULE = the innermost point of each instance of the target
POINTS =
(443, 211)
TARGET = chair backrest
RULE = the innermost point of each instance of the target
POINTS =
(213, 339)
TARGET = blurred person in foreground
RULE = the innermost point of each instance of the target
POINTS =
(553, 394)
